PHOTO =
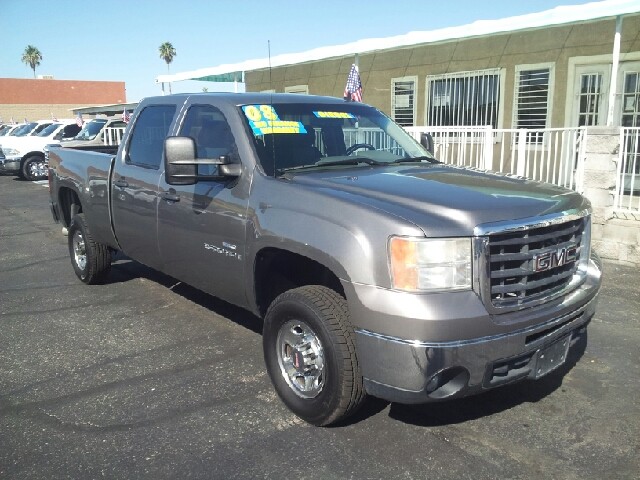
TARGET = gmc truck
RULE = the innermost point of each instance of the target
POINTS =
(376, 269)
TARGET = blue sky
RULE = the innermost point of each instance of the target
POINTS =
(118, 39)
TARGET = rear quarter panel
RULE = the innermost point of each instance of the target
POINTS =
(87, 175)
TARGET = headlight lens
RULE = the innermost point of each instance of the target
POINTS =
(419, 264)
(10, 152)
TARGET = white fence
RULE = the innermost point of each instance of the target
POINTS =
(112, 135)
(627, 196)
(553, 155)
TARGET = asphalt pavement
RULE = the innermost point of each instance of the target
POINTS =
(145, 377)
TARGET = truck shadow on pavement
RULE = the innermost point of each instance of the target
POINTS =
(124, 270)
(434, 414)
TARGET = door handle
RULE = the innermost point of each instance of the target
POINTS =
(170, 196)
(121, 182)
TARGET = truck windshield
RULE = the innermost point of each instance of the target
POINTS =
(296, 136)
(45, 132)
(91, 129)
(26, 129)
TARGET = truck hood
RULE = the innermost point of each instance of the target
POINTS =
(28, 143)
(443, 200)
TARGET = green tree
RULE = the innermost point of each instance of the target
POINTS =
(32, 57)
(167, 52)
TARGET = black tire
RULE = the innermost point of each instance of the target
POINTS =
(320, 316)
(91, 260)
(33, 168)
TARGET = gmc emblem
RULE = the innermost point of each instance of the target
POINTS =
(554, 258)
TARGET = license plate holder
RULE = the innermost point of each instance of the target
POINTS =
(551, 357)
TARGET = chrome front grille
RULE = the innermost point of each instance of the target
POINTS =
(532, 263)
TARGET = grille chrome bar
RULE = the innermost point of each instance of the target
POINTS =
(530, 263)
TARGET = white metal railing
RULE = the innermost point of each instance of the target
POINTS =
(552, 155)
(112, 135)
(372, 136)
(627, 195)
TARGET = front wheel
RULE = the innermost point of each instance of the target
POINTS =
(34, 168)
(309, 350)
(91, 260)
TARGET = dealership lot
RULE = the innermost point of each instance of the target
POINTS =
(147, 377)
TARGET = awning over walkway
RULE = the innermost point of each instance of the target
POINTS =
(113, 109)
(556, 16)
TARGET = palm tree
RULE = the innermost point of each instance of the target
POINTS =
(167, 52)
(32, 57)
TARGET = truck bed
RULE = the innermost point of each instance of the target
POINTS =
(85, 173)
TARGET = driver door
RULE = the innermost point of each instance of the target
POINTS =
(201, 227)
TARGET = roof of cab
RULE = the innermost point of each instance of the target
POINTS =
(247, 98)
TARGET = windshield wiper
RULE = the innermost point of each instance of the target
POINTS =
(343, 161)
(350, 161)
(416, 159)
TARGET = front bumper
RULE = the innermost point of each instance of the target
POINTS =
(10, 164)
(456, 348)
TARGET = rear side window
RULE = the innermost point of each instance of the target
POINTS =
(147, 138)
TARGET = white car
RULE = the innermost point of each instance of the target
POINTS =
(24, 155)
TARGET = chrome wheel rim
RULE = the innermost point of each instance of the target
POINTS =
(37, 169)
(79, 250)
(301, 358)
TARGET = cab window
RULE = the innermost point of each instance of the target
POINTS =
(147, 137)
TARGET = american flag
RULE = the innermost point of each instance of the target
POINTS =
(353, 90)
(125, 116)
(79, 121)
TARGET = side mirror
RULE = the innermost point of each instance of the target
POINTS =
(180, 167)
(426, 140)
(181, 164)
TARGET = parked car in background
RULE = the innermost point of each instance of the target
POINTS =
(98, 133)
(24, 155)
(12, 129)
(31, 128)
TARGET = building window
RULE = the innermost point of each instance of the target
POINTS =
(403, 100)
(464, 99)
(532, 97)
(590, 99)
(303, 89)
(631, 100)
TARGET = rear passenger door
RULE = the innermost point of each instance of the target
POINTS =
(134, 188)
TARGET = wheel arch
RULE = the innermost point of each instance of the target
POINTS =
(278, 270)
(69, 204)
(31, 154)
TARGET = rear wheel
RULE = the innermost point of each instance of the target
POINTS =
(91, 260)
(309, 351)
(34, 168)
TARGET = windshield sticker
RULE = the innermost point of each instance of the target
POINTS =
(334, 115)
(264, 120)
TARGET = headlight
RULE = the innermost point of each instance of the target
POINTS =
(419, 264)
(10, 152)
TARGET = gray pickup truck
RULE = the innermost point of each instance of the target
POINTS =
(376, 269)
